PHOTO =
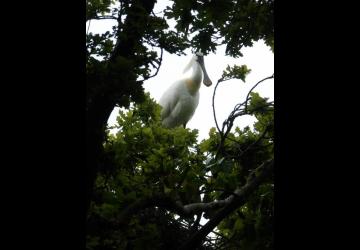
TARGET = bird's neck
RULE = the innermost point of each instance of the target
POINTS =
(194, 81)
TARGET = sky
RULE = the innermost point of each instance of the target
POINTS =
(258, 58)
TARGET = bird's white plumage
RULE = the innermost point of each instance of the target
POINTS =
(181, 99)
(178, 105)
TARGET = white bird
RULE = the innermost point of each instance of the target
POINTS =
(181, 99)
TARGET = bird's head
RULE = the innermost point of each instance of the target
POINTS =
(199, 57)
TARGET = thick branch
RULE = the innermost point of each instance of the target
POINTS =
(133, 28)
(161, 200)
(170, 204)
(236, 202)
(100, 105)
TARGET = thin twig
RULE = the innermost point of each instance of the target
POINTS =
(159, 64)
(213, 103)
(247, 97)
(157, 68)
(237, 111)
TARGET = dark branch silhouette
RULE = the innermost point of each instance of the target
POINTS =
(237, 201)
(167, 202)
(237, 111)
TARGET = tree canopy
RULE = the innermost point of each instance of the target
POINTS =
(147, 186)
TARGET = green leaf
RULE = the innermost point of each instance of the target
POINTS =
(239, 225)
(235, 72)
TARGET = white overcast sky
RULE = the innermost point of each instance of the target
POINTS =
(258, 58)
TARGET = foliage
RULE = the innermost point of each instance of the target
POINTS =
(237, 72)
(129, 171)
(250, 226)
(149, 159)
(234, 23)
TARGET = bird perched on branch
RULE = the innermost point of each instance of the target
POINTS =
(181, 99)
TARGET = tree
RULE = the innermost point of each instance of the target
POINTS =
(145, 184)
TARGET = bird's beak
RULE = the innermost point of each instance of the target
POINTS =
(206, 80)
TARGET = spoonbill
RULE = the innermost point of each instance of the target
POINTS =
(181, 99)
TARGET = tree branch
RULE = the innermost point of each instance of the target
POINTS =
(161, 200)
(157, 68)
(247, 97)
(133, 28)
(235, 202)
(237, 111)
(101, 103)
(213, 103)
(229, 204)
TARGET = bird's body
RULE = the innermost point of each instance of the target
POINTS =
(178, 105)
(181, 99)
